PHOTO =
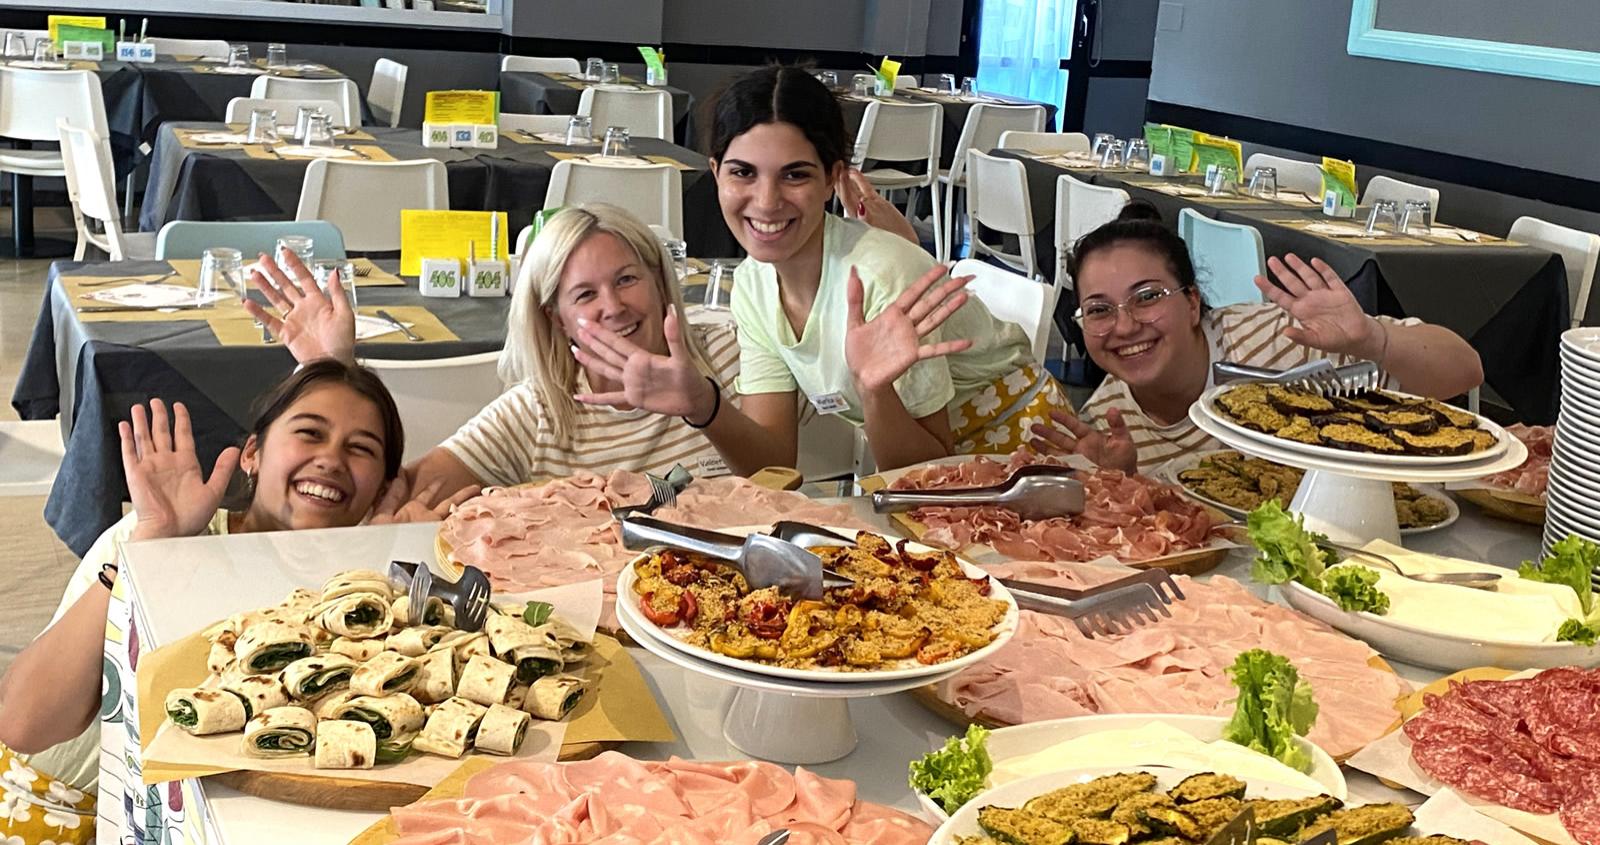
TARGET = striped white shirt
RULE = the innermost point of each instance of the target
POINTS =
(1243, 334)
(511, 441)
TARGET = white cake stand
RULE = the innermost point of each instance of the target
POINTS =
(1348, 496)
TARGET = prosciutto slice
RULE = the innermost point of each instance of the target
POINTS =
(1050, 671)
(1533, 475)
(616, 800)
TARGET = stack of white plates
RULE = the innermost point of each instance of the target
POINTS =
(1574, 493)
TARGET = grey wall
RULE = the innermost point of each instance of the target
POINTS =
(1567, 24)
(1285, 61)
(624, 21)
(426, 70)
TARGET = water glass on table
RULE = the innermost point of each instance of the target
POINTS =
(678, 251)
(580, 130)
(721, 272)
(16, 46)
(263, 127)
(1384, 217)
(593, 69)
(1137, 156)
(615, 143)
(302, 120)
(324, 268)
(1101, 139)
(277, 56)
(1223, 182)
(969, 88)
(319, 131)
(612, 73)
(829, 79)
(948, 84)
(301, 246)
(221, 268)
(238, 55)
(44, 50)
(1111, 155)
(1417, 215)
(861, 84)
(1264, 182)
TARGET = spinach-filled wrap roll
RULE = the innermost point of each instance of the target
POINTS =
(385, 674)
(280, 732)
(561, 634)
(259, 693)
(329, 704)
(389, 716)
(553, 696)
(358, 616)
(516, 696)
(436, 677)
(432, 614)
(220, 658)
(311, 677)
(357, 581)
(485, 680)
(502, 731)
(268, 646)
(465, 645)
(508, 633)
(416, 641)
(205, 711)
(358, 650)
(345, 745)
(451, 728)
(535, 661)
(302, 599)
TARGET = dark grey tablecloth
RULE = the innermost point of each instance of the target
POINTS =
(227, 184)
(1508, 300)
(91, 373)
(955, 114)
(527, 92)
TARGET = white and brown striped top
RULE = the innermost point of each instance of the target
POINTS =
(510, 441)
(1243, 334)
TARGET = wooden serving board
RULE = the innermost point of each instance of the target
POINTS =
(1506, 504)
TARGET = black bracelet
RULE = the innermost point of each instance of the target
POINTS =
(106, 579)
(716, 406)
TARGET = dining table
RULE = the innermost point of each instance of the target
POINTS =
(1508, 300)
(530, 92)
(192, 179)
(956, 107)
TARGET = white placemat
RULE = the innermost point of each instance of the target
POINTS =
(152, 295)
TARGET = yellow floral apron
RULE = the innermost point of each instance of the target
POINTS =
(36, 809)
(996, 420)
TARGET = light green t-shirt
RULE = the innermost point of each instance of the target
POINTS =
(771, 360)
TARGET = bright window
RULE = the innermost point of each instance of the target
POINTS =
(1020, 47)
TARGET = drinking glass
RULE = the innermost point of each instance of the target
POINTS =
(861, 84)
(1138, 155)
(829, 79)
(302, 121)
(44, 50)
(615, 143)
(1384, 217)
(948, 84)
(1224, 182)
(1417, 214)
(221, 268)
(16, 46)
(238, 55)
(580, 130)
(302, 247)
(323, 268)
(612, 73)
(721, 273)
(969, 88)
(263, 127)
(1264, 182)
(1111, 155)
(594, 69)
(319, 131)
(678, 251)
(1101, 139)
(277, 55)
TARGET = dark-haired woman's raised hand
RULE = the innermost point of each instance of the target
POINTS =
(667, 384)
(170, 496)
(1328, 316)
(882, 349)
(1112, 448)
(315, 324)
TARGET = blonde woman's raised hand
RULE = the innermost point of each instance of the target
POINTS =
(170, 496)
(316, 324)
(863, 202)
(882, 349)
(1326, 313)
(667, 384)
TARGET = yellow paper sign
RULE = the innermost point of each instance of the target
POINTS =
(889, 69)
(448, 234)
(1343, 172)
(88, 21)
(1234, 149)
(475, 107)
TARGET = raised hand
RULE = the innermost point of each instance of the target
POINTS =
(170, 496)
(315, 324)
(882, 349)
(1112, 448)
(1327, 314)
(667, 384)
(861, 201)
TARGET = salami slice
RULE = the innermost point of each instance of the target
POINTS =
(1580, 813)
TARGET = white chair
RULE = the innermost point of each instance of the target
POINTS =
(997, 197)
(438, 396)
(903, 81)
(1384, 188)
(539, 64)
(1293, 174)
(239, 109)
(1579, 251)
(86, 158)
(1227, 258)
(985, 124)
(205, 48)
(653, 193)
(1013, 298)
(365, 198)
(341, 91)
(1045, 143)
(534, 123)
(387, 91)
(902, 133)
(1081, 208)
(645, 114)
(30, 455)
(31, 101)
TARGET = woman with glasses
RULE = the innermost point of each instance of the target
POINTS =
(1145, 325)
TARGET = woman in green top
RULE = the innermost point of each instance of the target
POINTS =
(854, 320)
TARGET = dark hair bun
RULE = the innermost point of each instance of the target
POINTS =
(1139, 210)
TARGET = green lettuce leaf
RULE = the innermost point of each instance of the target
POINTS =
(1274, 706)
(537, 613)
(1575, 631)
(1572, 562)
(1354, 589)
(956, 772)
(1288, 551)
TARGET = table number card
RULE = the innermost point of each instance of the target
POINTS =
(488, 278)
(465, 119)
(440, 277)
(136, 51)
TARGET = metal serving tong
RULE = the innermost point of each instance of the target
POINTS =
(1319, 376)
(1475, 580)
(765, 561)
(468, 595)
(1032, 492)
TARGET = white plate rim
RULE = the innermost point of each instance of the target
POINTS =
(1206, 400)
(1003, 633)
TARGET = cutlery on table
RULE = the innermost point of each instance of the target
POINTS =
(106, 309)
(1032, 492)
(132, 280)
(404, 329)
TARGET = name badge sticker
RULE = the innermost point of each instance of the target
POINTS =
(711, 466)
(830, 403)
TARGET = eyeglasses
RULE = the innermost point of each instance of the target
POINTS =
(1098, 318)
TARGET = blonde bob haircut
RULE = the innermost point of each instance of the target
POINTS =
(537, 349)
